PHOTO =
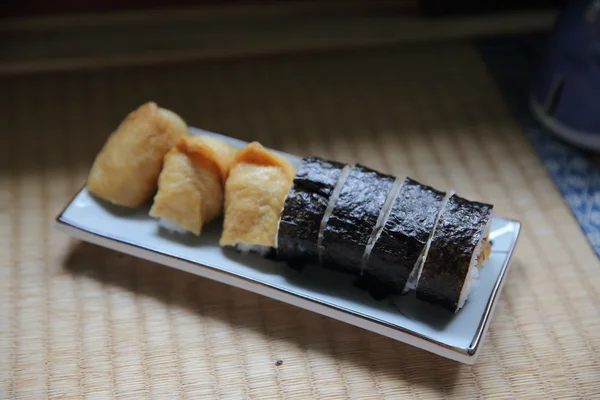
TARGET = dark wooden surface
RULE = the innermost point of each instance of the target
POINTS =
(239, 29)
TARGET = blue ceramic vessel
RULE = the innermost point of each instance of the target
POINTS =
(566, 92)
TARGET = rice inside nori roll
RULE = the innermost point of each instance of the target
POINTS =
(353, 218)
(402, 240)
(450, 271)
(304, 209)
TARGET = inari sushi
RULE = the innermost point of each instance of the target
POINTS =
(255, 190)
(304, 209)
(125, 171)
(401, 243)
(458, 247)
(190, 185)
(355, 213)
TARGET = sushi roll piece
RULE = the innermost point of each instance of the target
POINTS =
(458, 247)
(190, 185)
(353, 219)
(126, 170)
(399, 245)
(255, 190)
(304, 209)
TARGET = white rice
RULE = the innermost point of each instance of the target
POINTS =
(381, 220)
(169, 224)
(471, 282)
(330, 205)
(247, 248)
(472, 279)
(415, 274)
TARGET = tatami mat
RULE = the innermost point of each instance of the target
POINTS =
(81, 321)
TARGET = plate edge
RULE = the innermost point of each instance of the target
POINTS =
(465, 355)
(493, 300)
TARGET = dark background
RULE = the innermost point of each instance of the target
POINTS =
(17, 8)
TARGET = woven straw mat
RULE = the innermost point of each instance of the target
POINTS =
(81, 321)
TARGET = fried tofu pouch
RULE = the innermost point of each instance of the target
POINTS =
(191, 183)
(126, 170)
(255, 190)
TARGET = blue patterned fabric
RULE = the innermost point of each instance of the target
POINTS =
(512, 63)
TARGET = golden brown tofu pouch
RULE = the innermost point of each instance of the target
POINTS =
(224, 152)
(190, 185)
(125, 171)
(255, 190)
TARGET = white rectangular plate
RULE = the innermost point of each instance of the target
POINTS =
(455, 336)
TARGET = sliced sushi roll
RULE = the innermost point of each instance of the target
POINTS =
(353, 218)
(304, 209)
(401, 242)
(458, 247)
(125, 171)
(255, 190)
(190, 185)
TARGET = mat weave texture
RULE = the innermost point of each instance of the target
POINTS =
(80, 321)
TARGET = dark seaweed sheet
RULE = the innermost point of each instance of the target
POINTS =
(353, 218)
(304, 209)
(459, 228)
(403, 237)
(318, 175)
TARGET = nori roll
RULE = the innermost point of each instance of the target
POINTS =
(304, 209)
(450, 270)
(402, 239)
(354, 218)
